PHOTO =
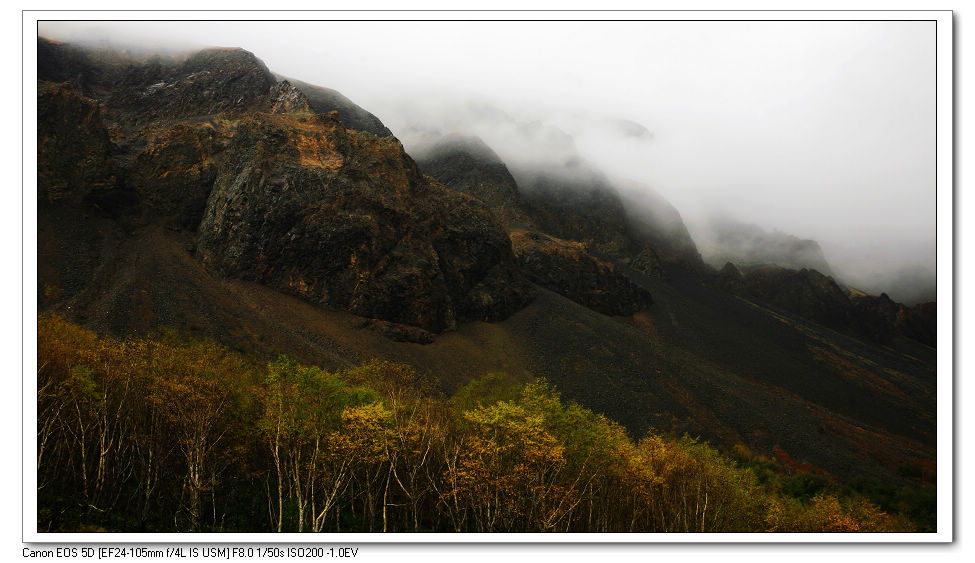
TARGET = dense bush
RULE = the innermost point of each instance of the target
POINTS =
(169, 435)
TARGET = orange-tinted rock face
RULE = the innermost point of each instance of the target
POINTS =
(347, 220)
(276, 193)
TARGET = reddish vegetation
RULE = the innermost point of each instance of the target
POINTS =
(885, 448)
(787, 460)
(249, 219)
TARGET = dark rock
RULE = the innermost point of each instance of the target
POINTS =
(567, 268)
(208, 82)
(175, 172)
(74, 153)
(349, 221)
(648, 263)
(465, 164)
(285, 98)
(60, 62)
(324, 100)
(806, 293)
(819, 298)
(920, 322)
(135, 93)
(397, 332)
(880, 318)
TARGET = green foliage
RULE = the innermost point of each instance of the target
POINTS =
(170, 434)
(804, 486)
(485, 390)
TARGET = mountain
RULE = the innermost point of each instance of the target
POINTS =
(325, 100)
(293, 199)
(571, 199)
(464, 163)
(729, 240)
(792, 274)
(203, 195)
(819, 298)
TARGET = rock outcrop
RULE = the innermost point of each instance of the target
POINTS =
(465, 164)
(286, 98)
(817, 297)
(140, 91)
(273, 192)
(879, 318)
(74, 152)
(349, 221)
(325, 100)
(567, 267)
(807, 293)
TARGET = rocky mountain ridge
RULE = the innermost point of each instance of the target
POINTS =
(279, 194)
(819, 298)
(273, 227)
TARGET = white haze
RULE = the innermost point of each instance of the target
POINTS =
(822, 130)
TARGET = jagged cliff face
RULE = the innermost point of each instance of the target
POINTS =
(567, 267)
(345, 219)
(571, 201)
(817, 297)
(209, 82)
(74, 153)
(274, 192)
(134, 93)
(465, 164)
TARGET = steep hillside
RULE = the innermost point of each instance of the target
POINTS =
(568, 268)
(203, 195)
(279, 194)
(325, 100)
(816, 297)
(570, 200)
(465, 164)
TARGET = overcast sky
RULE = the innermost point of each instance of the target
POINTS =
(823, 130)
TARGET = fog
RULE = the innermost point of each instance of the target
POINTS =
(820, 130)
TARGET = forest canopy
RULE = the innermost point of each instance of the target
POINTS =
(166, 434)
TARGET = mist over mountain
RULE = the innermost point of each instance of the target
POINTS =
(203, 196)
(908, 274)
(708, 116)
(728, 240)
